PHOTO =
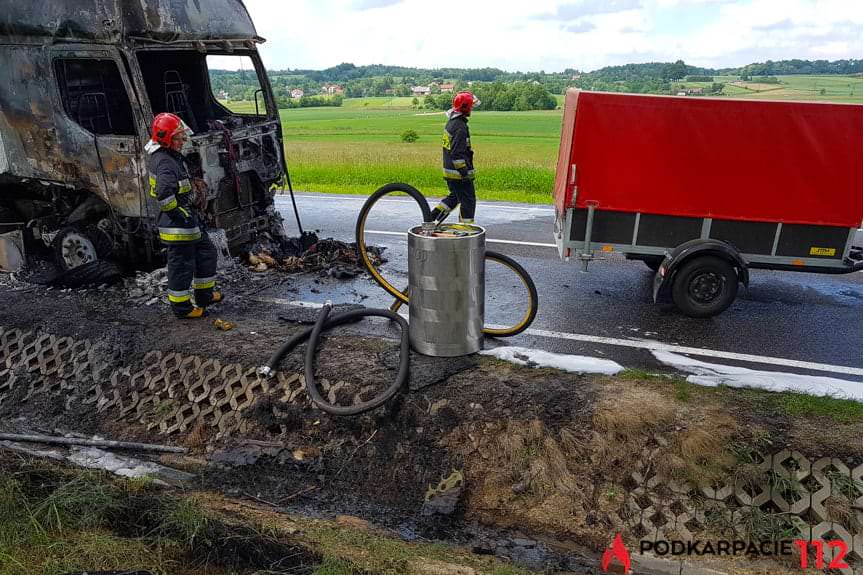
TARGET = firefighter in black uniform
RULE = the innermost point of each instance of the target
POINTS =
(192, 257)
(458, 161)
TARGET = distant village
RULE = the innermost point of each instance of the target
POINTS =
(339, 90)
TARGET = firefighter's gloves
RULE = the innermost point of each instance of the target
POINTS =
(463, 172)
(199, 186)
(184, 213)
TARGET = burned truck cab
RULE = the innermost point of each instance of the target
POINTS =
(237, 145)
(87, 78)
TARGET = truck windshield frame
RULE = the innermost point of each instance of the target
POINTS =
(177, 80)
(240, 77)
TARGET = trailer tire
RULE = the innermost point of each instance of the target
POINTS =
(704, 286)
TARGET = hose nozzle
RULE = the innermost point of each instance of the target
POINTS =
(265, 371)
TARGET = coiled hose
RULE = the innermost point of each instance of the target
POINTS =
(313, 335)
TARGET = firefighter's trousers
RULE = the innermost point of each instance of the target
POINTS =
(462, 193)
(191, 268)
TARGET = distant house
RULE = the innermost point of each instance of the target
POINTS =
(223, 95)
(296, 93)
(695, 92)
(447, 87)
(332, 89)
(421, 90)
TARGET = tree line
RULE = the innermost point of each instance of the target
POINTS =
(498, 96)
(505, 90)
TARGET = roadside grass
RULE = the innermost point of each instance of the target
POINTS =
(802, 405)
(788, 403)
(348, 551)
(56, 519)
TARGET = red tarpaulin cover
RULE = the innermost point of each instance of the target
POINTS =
(790, 162)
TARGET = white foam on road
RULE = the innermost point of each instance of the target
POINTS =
(655, 346)
(712, 375)
(539, 358)
(644, 344)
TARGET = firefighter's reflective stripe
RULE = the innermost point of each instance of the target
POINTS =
(455, 175)
(459, 164)
(169, 203)
(179, 234)
(153, 187)
(442, 207)
(179, 296)
(465, 221)
(204, 283)
(185, 186)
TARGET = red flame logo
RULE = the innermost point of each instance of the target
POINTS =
(617, 551)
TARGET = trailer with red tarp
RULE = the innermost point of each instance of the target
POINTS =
(704, 189)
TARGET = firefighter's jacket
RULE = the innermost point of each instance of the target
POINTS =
(457, 153)
(171, 187)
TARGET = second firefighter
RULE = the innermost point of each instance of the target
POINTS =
(458, 168)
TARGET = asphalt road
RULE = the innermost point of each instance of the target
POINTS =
(783, 317)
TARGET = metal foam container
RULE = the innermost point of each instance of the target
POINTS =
(447, 290)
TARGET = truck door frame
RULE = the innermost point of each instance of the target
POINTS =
(124, 152)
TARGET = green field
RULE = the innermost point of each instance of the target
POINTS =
(356, 148)
(835, 88)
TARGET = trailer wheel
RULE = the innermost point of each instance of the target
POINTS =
(704, 287)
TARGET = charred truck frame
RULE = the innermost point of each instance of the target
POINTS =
(82, 83)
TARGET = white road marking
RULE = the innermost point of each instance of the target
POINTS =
(488, 240)
(640, 344)
(399, 201)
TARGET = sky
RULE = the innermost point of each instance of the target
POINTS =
(553, 35)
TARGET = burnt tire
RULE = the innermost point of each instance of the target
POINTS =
(704, 287)
(94, 273)
(78, 245)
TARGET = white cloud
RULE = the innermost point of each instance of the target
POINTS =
(575, 10)
(554, 34)
(369, 4)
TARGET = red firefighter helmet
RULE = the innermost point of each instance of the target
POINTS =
(165, 127)
(464, 102)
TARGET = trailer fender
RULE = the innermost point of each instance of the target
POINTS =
(694, 248)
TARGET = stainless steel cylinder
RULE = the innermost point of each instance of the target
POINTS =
(446, 272)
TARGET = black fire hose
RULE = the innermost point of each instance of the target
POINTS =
(313, 335)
